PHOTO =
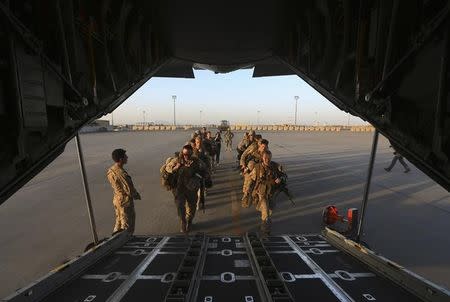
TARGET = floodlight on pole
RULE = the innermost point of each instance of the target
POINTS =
(296, 102)
(257, 117)
(174, 97)
(143, 115)
(201, 123)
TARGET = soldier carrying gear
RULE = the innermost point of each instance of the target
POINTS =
(251, 150)
(265, 177)
(247, 167)
(168, 179)
(124, 193)
(282, 186)
(199, 150)
(229, 140)
(243, 144)
(190, 171)
(210, 148)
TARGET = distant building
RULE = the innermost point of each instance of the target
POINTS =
(97, 126)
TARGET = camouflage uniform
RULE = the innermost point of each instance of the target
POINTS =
(229, 140)
(251, 155)
(242, 146)
(124, 194)
(264, 178)
(187, 186)
(209, 147)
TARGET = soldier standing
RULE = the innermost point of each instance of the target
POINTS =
(124, 193)
(218, 143)
(190, 171)
(248, 161)
(229, 140)
(265, 175)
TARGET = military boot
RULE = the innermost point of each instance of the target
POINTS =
(188, 225)
(183, 228)
(266, 226)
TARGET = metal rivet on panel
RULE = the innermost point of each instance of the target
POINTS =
(226, 252)
(287, 276)
(227, 277)
(369, 297)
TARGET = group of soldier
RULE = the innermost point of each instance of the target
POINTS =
(263, 178)
(188, 175)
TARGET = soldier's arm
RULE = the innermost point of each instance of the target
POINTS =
(134, 192)
(117, 186)
(244, 156)
(241, 145)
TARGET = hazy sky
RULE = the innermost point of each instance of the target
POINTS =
(235, 96)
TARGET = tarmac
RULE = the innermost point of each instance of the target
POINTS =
(46, 222)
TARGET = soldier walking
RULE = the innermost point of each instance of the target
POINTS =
(124, 193)
(190, 171)
(265, 175)
(248, 161)
(246, 141)
(397, 157)
(229, 140)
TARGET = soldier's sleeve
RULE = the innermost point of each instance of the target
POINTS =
(244, 156)
(116, 186)
(241, 145)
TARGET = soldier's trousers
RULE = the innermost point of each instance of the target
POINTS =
(265, 207)
(217, 155)
(394, 161)
(247, 186)
(125, 217)
(186, 205)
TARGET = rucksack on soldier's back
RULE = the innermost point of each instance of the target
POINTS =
(168, 180)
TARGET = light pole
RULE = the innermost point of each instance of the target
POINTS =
(174, 97)
(317, 121)
(257, 117)
(143, 115)
(296, 101)
(201, 123)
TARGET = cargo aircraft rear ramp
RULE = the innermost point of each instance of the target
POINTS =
(66, 63)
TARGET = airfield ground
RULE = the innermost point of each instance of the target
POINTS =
(408, 215)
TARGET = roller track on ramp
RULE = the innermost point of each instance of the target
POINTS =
(207, 268)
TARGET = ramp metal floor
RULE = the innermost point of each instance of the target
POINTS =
(236, 268)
